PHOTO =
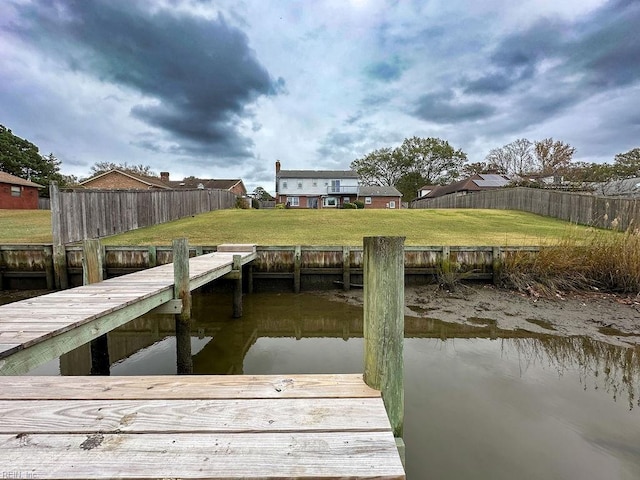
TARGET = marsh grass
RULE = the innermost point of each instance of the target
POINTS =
(598, 260)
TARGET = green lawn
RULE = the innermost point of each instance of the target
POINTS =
(319, 227)
(25, 226)
(347, 227)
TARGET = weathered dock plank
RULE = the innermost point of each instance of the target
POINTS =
(301, 426)
(70, 318)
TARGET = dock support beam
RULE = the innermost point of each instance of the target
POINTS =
(92, 272)
(237, 286)
(383, 264)
(181, 291)
(496, 264)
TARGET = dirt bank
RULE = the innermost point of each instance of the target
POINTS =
(607, 317)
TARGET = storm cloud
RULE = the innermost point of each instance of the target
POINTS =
(197, 75)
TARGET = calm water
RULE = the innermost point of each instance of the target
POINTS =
(480, 403)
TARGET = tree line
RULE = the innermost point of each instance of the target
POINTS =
(432, 161)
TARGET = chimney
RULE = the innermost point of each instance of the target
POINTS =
(277, 166)
(164, 177)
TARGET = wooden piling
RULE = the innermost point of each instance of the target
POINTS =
(346, 268)
(153, 256)
(496, 263)
(92, 272)
(297, 263)
(182, 291)
(237, 286)
(250, 279)
(383, 269)
(49, 271)
(59, 251)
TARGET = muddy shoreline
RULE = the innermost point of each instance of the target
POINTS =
(607, 317)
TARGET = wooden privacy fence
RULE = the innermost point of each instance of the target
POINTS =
(83, 214)
(584, 209)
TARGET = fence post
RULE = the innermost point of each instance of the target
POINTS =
(59, 251)
(92, 272)
(383, 268)
(182, 291)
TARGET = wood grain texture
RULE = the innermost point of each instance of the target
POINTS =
(249, 427)
(187, 386)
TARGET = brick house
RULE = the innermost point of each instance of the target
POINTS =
(330, 189)
(235, 185)
(474, 183)
(18, 193)
(121, 180)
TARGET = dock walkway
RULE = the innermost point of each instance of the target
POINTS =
(301, 426)
(40, 329)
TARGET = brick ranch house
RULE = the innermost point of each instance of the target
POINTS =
(17, 193)
(121, 180)
(330, 189)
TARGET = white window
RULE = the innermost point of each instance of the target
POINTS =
(329, 202)
(15, 191)
(284, 185)
(345, 199)
(294, 201)
(392, 204)
(367, 200)
(335, 186)
(299, 184)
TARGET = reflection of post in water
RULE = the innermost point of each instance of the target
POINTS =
(182, 291)
(612, 367)
(92, 272)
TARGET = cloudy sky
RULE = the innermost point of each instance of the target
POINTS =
(221, 89)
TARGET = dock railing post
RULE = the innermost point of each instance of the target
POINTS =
(93, 272)
(182, 291)
(383, 269)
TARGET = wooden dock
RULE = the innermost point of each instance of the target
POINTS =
(301, 426)
(40, 329)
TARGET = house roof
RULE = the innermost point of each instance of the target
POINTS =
(150, 181)
(192, 182)
(317, 174)
(473, 183)
(624, 187)
(13, 180)
(376, 191)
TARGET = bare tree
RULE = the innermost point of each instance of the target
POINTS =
(515, 158)
(553, 157)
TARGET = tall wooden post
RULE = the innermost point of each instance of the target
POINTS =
(297, 264)
(237, 286)
(496, 264)
(383, 265)
(182, 291)
(346, 268)
(59, 251)
(48, 268)
(92, 272)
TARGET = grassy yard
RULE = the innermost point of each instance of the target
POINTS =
(347, 227)
(320, 227)
(25, 226)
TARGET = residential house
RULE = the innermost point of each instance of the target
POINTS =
(235, 185)
(18, 193)
(474, 183)
(121, 180)
(329, 189)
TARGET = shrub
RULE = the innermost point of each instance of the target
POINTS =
(255, 203)
(242, 203)
(604, 260)
(348, 205)
(280, 206)
(359, 204)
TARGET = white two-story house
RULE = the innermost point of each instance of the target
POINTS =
(329, 189)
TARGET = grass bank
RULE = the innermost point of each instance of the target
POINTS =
(347, 227)
(25, 226)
